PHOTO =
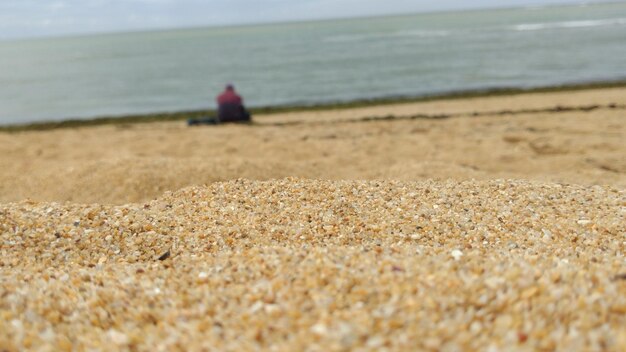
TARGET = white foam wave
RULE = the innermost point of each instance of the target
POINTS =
(569, 24)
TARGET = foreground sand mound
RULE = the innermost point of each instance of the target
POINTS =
(320, 265)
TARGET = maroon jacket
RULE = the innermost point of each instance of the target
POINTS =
(230, 107)
(229, 97)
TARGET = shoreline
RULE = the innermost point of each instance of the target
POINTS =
(299, 107)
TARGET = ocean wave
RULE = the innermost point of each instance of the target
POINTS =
(569, 24)
(364, 37)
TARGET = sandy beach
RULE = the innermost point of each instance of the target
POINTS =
(491, 223)
(513, 137)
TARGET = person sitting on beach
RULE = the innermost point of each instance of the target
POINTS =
(230, 106)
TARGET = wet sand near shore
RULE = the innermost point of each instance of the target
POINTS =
(481, 224)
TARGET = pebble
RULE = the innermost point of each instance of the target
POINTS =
(456, 254)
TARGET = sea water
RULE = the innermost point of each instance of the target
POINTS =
(310, 62)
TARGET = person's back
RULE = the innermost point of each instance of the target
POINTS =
(230, 106)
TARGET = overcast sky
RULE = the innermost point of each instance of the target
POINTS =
(26, 18)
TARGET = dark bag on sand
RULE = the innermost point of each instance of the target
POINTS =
(202, 121)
